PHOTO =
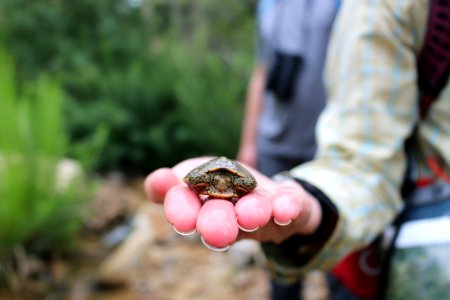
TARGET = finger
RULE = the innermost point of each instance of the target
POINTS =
(158, 183)
(217, 224)
(182, 207)
(254, 210)
(287, 204)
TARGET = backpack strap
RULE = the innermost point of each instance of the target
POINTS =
(433, 67)
(433, 63)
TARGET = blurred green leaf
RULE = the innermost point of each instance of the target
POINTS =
(37, 212)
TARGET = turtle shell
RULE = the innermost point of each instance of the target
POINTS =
(223, 163)
(221, 177)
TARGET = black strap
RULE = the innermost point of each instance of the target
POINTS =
(433, 63)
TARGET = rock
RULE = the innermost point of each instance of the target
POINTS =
(244, 253)
(113, 202)
(116, 269)
(116, 235)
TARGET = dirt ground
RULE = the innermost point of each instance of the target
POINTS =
(148, 260)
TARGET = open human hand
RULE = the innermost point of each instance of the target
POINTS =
(273, 211)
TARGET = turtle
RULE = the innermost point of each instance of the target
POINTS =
(221, 178)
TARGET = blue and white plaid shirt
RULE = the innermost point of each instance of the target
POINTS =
(371, 78)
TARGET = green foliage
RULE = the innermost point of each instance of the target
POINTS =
(163, 79)
(35, 212)
(210, 122)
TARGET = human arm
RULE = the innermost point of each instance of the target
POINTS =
(371, 81)
(247, 152)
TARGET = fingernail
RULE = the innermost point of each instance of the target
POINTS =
(282, 223)
(182, 232)
(248, 230)
(218, 249)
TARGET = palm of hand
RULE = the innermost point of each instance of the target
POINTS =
(265, 214)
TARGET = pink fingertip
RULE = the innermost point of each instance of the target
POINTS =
(165, 179)
(181, 208)
(217, 223)
(282, 223)
(253, 211)
(286, 207)
(248, 230)
(217, 249)
(183, 233)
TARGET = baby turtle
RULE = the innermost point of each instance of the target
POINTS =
(221, 178)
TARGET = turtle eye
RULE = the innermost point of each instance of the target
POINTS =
(199, 180)
(243, 185)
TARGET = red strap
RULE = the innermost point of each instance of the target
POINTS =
(437, 169)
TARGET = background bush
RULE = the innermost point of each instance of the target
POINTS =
(164, 80)
(38, 212)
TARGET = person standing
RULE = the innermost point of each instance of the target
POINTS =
(286, 90)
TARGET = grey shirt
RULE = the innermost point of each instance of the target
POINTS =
(301, 27)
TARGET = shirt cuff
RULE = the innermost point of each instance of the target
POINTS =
(286, 260)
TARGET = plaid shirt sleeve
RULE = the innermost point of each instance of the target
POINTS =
(372, 108)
